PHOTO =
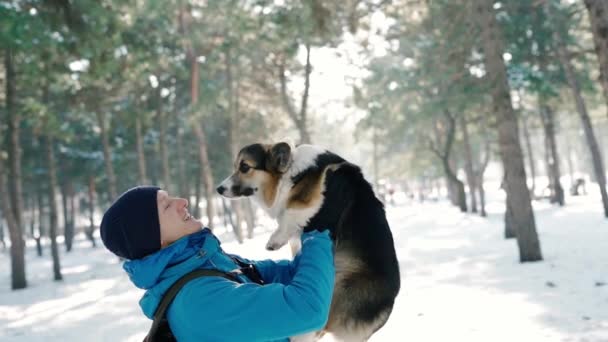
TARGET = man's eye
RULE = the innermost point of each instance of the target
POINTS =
(244, 168)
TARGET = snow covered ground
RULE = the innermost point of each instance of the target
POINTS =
(461, 281)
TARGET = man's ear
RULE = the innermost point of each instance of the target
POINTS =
(280, 157)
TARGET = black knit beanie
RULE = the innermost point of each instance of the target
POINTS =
(130, 228)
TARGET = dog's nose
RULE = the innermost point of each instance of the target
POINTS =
(220, 189)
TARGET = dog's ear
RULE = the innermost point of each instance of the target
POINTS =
(280, 157)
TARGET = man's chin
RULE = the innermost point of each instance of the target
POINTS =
(195, 225)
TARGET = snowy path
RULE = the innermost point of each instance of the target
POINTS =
(461, 282)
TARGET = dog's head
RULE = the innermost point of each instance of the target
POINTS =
(258, 169)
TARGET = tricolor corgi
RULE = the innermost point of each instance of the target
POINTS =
(309, 187)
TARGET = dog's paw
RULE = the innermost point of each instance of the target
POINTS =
(274, 245)
(276, 241)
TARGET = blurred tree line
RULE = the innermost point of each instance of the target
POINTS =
(464, 80)
(100, 95)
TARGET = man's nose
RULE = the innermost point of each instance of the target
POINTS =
(183, 202)
(220, 189)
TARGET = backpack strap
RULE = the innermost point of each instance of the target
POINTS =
(159, 314)
(248, 270)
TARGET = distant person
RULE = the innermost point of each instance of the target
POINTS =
(162, 241)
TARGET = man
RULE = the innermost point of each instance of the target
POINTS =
(162, 241)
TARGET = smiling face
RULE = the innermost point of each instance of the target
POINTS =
(257, 171)
(174, 218)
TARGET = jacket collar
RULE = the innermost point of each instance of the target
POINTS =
(174, 260)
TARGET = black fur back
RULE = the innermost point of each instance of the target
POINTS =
(356, 218)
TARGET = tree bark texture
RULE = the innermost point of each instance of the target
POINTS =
(518, 194)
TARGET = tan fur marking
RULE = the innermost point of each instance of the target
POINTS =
(309, 190)
(269, 187)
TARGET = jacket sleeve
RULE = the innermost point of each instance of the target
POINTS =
(217, 309)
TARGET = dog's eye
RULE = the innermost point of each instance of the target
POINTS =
(244, 168)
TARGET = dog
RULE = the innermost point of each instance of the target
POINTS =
(307, 188)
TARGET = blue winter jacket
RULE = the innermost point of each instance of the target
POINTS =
(294, 301)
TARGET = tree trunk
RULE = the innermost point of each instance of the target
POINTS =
(182, 184)
(42, 231)
(197, 194)
(107, 155)
(18, 279)
(557, 191)
(596, 157)
(444, 156)
(141, 156)
(299, 118)
(531, 159)
(457, 186)
(233, 133)
(11, 194)
(199, 132)
(162, 139)
(68, 223)
(598, 16)
(15, 153)
(206, 172)
(468, 163)
(52, 174)
(89, 232)
(569, 160)
(518, 194)
(479, 172)
(2, 231)
(509, 222)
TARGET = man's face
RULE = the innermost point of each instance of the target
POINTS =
(174, 218)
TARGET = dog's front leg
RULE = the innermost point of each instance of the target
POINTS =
(283, 233)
